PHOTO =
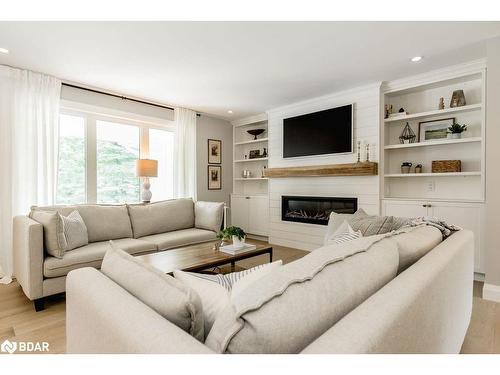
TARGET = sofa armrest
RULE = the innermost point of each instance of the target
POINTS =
(102, 317)
(28, 255)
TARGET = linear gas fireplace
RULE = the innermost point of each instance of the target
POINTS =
(315, 210)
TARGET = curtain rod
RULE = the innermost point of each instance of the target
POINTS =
(117, 96)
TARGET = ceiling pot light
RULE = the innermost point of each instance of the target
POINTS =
(416, 59)
(4, 50)
(230, 112)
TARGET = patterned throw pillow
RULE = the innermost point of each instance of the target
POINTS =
(74, 231)
(344, 237)
(216, 291)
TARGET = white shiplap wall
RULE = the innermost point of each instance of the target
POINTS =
(366, 102)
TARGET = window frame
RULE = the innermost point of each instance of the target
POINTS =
(91, 114)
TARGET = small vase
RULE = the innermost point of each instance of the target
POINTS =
(456, 135)
(237, 242)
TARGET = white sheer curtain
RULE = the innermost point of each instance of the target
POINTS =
(185, 120)
(29, 118)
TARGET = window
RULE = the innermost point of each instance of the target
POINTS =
(98, 151)
(161, 147)
(71, 187)
(117, 151)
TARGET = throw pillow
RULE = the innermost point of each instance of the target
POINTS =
(343, 234)
(74, 231)
(208, 215)
(170, 298)
(216, 291)
(53, 234)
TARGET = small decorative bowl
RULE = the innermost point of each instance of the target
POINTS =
(255, 132)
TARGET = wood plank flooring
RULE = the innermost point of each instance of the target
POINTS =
(20, 322)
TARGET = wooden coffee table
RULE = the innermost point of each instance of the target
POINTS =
(199, 257)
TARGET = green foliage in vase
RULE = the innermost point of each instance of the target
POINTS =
(457, 128)
(227, 233)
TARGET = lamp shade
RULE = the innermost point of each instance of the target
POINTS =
(146, 168)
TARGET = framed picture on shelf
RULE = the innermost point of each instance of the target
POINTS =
(434, 129)
(214, 151)
(214, 177)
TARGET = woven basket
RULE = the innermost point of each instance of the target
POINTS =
(446, 166)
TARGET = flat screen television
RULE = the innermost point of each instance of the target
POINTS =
(318, 133)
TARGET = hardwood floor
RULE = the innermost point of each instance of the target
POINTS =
(20, 322)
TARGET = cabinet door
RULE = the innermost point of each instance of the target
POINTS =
(468, 216)
(258, 219)
(239, 211)
(404, 208)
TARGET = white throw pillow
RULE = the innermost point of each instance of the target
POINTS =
(342, 233)
(74, 231)
(216, 291)
(336, 221)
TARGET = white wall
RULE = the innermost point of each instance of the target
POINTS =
(492, 165)
(366, 101)
(213, 128)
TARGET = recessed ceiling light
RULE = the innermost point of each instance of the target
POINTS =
(230, 112)
(416, 58)
(4, 50)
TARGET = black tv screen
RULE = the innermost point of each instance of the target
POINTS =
(318, 133)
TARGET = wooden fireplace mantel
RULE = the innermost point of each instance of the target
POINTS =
(367, 168)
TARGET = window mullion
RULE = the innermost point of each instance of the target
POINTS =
(91, 160)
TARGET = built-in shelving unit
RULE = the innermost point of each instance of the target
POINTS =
(420, 99)
(250, 198)
(256, 184)
(456, 197)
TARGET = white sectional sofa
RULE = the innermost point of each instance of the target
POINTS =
(408, 293)
(138, 229)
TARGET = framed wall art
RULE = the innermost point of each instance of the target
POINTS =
(434, 129)
(214, 151)
(214, 177)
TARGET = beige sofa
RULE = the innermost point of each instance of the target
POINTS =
(425, 307)
(137, 229)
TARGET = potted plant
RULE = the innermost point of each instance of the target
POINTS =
(456, 130)
(235, 233)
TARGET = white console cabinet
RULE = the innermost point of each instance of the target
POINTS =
(467, 215)
(251, 213)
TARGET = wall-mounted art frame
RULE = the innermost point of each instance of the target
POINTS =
(214, 151)
(434, 129)
(214, 177)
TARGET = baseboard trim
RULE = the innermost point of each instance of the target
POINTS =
(491, 292)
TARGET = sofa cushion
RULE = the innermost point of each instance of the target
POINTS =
(91, 256)
(104, 222)
(184, 237)
(208, 215)
(415, 243)
(169, 297)
(161, 217)
(53, 234)
(286, 310)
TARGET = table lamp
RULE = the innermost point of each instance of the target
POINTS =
(146, 168)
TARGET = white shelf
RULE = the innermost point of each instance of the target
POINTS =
(399, 199)
(433, 143)
(252, 141)
(438, 112)
(250, 160)
(448, 174)
(250, 178)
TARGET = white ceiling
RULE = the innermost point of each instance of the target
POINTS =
(246, 67)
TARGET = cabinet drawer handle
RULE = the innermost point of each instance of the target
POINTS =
(429, 205)
(247, 197)
(424, 205)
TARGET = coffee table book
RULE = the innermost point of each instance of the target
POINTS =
(231, 249)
